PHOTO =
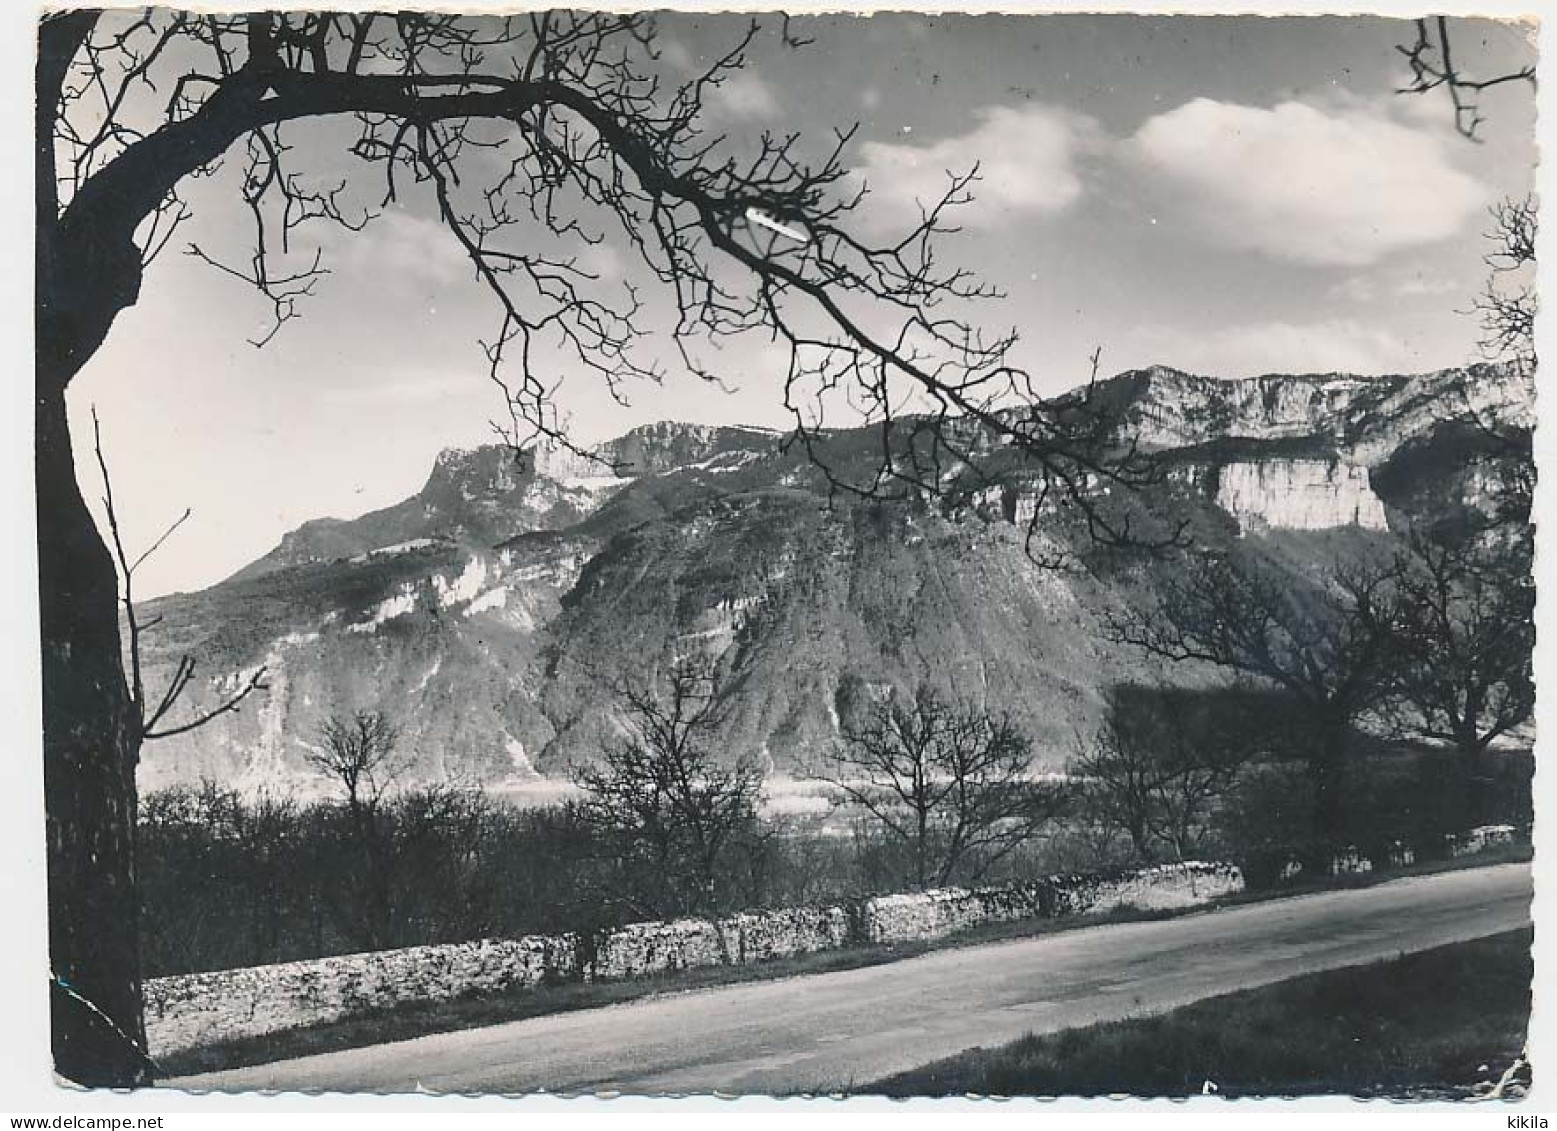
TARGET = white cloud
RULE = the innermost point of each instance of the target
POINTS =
(676, 55)
(1330, 345)
(402, 245)
(1430, 285)
(743, 96)
(1368, 288)
(1343, 185)
(1027, 162)
(1357, 288)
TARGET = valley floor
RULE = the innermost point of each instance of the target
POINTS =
(832, 1032)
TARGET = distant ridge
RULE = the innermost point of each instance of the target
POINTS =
(490, 611)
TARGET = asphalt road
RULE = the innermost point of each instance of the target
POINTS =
(830, 1032)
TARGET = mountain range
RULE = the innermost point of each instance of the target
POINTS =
(494, 613)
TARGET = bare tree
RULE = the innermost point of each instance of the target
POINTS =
(1467, 616)
(436, 834)
(356, 752)
(1465, 646)
(1506, 308)
(1327, 644)
(669, 807)
(1467, 632)
(1120, 779)
(949, 782)
(151, 717)
(526, 135)
(1156, 769)
(263, 828)
(1507, 304)
(98, 1031)
(1434, 67)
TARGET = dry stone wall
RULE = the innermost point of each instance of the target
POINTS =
(1286, 865)
(191, 1010)
(1480, 839)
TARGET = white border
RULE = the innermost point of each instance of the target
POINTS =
(25, 1085)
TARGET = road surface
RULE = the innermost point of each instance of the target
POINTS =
(831, 1032)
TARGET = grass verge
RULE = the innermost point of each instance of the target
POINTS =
(1429, 1025)
(424, 1018)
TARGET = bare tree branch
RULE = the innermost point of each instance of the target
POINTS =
(1156, 766)
(1326, 643)
(1431, 59)
(1507, 308)
(184, 672)
(949, 782)
(537, 134)
(670, 807)
(356, 752)
(1466, 639)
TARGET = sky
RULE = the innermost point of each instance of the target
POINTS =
(1226, 195)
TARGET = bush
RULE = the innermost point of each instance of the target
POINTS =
(230, 881)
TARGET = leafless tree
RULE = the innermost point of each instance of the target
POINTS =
(526, 135)
(262, 828)
(151, 717)
(671, 809)
(357, 753)
(1465, 646)
(1506, 308)
(426, 842)
(1327, 644)
(1434, 67)
(1467, 591)
(1119, 782)
(950, 783)
(1507, 304)
(1155, 769)
(257, 832)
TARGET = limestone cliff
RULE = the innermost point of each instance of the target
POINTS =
(491, 612)
(1299, 494)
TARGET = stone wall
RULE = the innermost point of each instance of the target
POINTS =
(935, 914)
(190, 1010)
(1480, 839)
(1276, 867)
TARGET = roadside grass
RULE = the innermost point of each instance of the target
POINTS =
(1426, 1025)
(417, 1019)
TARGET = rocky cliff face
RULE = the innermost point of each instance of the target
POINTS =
(492, 612)
(1363, 418)
(1299, 494)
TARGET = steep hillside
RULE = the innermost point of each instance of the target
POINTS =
(492, 613)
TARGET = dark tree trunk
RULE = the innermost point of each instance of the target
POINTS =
(1471, 764)
(91, 735)
(91, 741)
(921, 850)
(1138, 840)
(1327, 768)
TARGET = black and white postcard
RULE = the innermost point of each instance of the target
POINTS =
(610, 552)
